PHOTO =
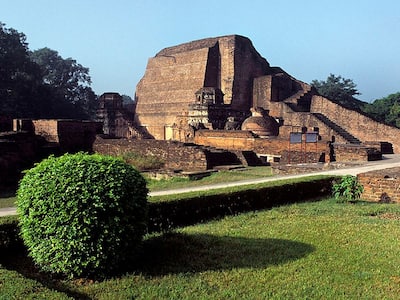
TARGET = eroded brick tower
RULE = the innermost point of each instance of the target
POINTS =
(175, 74)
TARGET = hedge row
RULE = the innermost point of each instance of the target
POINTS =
(9, 234)
(168, 215)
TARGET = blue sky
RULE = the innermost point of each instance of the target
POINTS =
(357, 39)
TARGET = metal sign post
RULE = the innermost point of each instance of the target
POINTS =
(312, 137)
(295, 138)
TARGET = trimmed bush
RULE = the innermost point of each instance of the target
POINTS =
(82, 214)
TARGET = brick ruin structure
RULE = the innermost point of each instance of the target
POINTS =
(29, 141)
(381, 186)
(203, 92)
(206, 103)
(215, 73)
(116, 119)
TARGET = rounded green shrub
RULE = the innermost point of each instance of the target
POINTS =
(82, 214)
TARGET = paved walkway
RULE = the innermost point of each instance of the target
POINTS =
(389, 161)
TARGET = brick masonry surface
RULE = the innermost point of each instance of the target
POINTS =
(176, 155)
(233, 65)
(381, 185)
(356, 123)
(174, 75)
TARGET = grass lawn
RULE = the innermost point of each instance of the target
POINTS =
(318, 250)
(214, 178)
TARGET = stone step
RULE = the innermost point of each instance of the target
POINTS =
(340, 130)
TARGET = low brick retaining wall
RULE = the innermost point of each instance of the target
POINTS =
(176, 155)
(381, 185)
(354, 152)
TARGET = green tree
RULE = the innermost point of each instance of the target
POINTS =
(19, 76)
(340, 90)
(69, 79)
(41, 84)
(386, 109)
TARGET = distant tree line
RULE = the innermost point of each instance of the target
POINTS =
(343, 91)
(40, 83)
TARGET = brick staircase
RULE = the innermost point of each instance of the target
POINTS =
(251, 158)
(297, 102)
(340, 130)
(295, 107)
(216, 158)
(219, 157)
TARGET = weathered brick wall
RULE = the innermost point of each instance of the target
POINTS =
(177, 156)
(301, 157)
(18, 151)
(357, 124)
(351, 152)
(245, 141)
(71, 135)
(262, 87)
(226, 139)
(294, 121)
(168, 86)
(47, 129)
(174, 75)
(294, 153)
(381, 185)
(384, 147)
(77, 135)
(269, 89)
(247, 65)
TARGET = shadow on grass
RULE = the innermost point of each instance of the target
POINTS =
(174, 253)
(16, 259)
(181, 253)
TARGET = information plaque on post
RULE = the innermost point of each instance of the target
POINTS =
(295, 137)
(311, 137)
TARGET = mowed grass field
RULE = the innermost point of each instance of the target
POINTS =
(315, 250)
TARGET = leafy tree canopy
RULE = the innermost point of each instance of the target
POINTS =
(19, 76)
(41, 84)
(70, 80)
(343, 91)
(340, 90)
(64, 74)
(385, 110)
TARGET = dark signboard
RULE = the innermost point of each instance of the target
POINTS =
(295, 137)
(311, 137)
